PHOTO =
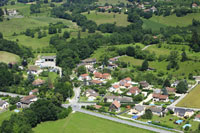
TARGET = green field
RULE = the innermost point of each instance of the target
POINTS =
(159, 21)
(101, 18)
(7, 57)
(82, 123)
(113, 2)
(192, 100)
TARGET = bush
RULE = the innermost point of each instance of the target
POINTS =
(12, 107)
(64, 113)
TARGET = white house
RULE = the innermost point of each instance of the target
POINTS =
(27, 101)
(4, 104)
(133, 91)
(91, 94)
(46, 61)
(34, 70)
(115, 89)
(83, 77)
(137, 110)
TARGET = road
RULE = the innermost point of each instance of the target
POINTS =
(122, 121)
(147, 47)
(10, 94)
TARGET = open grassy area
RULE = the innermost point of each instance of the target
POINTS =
(101, 18)
(113, 2)
(82, 123)
(171, 20)
(166, 120)
(192, 100)
(7, 57)
(155, 26)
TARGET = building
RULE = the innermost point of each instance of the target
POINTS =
(145, 85)
(38, 82)
(27, 101)
(153, 9)
(133, 91)
(121, 99)
(46, 61)
(98, 75)
(137, 110)
(115, 88)
(34, 70)
(171, 90)
(160, 97)
(156, 110)
(96, 82)
(105, 7)
(197, 117)
(84, 77)
(97, 106)
(4, 104)
(106, 76)
(194, 5)
(91, 94)
(175, 83)
(115, 106)
(182, 112)
(34, 92)
(89, 61)
(112, 66)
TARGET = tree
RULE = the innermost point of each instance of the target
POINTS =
(81, 70)
(145, 65)
(166, 83)
(148, 114)
(184, 56)
(1, 35)
(182, 87)
(66, 35)
(31, 78)
(138, 98)
(173, 60)
(164, 91)
(199, 127)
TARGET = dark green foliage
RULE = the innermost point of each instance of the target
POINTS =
(12, 107)
(35, 8)
(173, 60)
(184, 56)
(148, 114)
(1, 35)
(81, 70)
(66, 35)
(166, 83)
(145, 65)
(182, 87)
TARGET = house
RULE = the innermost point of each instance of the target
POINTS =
(98, 75)
(113, 60)
(175, 83)
(112, 66)
(89, 61)
(171, 90)
(197, 117)
(34, 92)
(141, 6)
(106, 76)
(160, 97)
(110, 98)
(97, 106)
(153, 9)
(84, 77)
(125, 99)
(115, 106)
(91, 94)
(145, 85)
(12, 12)
(27, 101)
(38, 82)
(46, 61)
(105, 7)
(182, 112)
(3, 104)
(137, 110)
(133, 91)
(115, 88)
(96, 82)
(194, 5)
(125, 82)
(156, 110)
(34, 70)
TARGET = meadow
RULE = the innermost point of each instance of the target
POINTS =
(83, 123)
(113, 2)
(7, 57)
(192, 100)
(159, 21)
(5, 115)
(101, 18)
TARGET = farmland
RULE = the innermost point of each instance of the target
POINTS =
(84, 124)
(189, 101)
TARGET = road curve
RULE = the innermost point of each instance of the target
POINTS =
(122, 121)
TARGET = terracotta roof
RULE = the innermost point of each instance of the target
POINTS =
(116, 103)
(133, 90)
(35, 90)
(197, 116)
(84, 75)
(38, 82)
(127, 84)
(156, 95)
(170, 89)
(106, 75)
(33, 68)
(128, 79)
(92, 92)
(162, 97)
(115, 86)
(96, 81)
(98, 75)
(97, 106)
(144, 84)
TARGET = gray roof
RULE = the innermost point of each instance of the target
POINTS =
(123, 99)
(181, 111)
(156, 109)
(49, 57)
(92, 92)
(139, 108)
(2, 102)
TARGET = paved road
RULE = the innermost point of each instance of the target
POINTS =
(122, 121)
(10, 94)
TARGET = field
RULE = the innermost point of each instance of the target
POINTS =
(159, 21)
(192, 100)
(7, 57)
(82, 123)
(113, 2)
(101, 18)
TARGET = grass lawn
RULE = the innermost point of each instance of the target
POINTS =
(5, 115)
(148, 23)
(192, 100)
(83, 123)
(171, 20)
(166, 120)
(102, 18)
(7, 57)
(113, 2)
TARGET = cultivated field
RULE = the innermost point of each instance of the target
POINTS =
(7, 57)
(101, 18)
(82, 123)
(192, 100)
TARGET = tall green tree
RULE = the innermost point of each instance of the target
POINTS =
(184, 56)
(182, 87)
(166, 83)
(145, 65)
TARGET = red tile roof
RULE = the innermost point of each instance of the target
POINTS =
(84, 75)
(97, 106)
(106, 75)
(115, 86)
(170, 89)
(128, 79)
(161, 97)
(197, 116)
(116, 103)
(133, 90)
(98, 75)
(38, 82)
(96, 82)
